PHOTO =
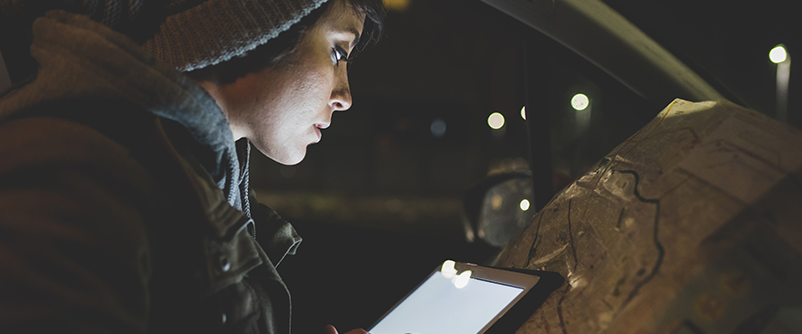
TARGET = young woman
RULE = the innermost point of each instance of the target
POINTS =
(124, 198)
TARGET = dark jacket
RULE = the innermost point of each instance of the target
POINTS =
(124, 201)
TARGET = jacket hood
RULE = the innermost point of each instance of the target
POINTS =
(83, 59)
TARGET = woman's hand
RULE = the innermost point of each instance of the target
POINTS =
(331, 330)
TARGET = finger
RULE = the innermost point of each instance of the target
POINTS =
(330, 330)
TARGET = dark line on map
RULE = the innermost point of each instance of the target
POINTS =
(533, 248)
(655, 234)
(560, 309)
(545, 323)
(620, 219)
(571, 235)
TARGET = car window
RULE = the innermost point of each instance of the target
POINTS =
(418, 135)
(728, 43)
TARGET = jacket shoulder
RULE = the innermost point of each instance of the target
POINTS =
(49, 142)
(74, 201)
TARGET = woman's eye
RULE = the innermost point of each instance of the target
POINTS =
(339, 55)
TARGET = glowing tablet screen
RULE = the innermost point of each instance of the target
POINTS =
(438, 306)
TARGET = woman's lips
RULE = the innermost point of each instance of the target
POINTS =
(318, 127)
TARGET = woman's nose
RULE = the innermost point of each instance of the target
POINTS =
(341, 94)
(340, 99)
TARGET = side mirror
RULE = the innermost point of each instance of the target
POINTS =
(499, 206)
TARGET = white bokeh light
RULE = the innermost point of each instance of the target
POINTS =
(580, 101)
(461, 280)
(778, 54)
(525, 204)
(495, 120)
(448, 269)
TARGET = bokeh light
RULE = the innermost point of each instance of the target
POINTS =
(496, 201)
(580, 101)
(778, 54)
(448, 269)
(438, 128)
(525, 204)
(495, 120)
(396, 5)
(461, 280)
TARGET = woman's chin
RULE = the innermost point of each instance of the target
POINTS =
(284, 155)
(291, 158)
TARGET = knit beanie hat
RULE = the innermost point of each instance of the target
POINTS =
(194, 34)
(217, 30)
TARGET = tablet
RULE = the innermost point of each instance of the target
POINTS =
(465, 298)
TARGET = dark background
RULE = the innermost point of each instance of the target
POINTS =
(379, 199)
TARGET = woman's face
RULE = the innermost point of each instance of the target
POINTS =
(282, 109)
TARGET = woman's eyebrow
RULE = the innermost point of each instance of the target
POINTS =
(356, 36)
